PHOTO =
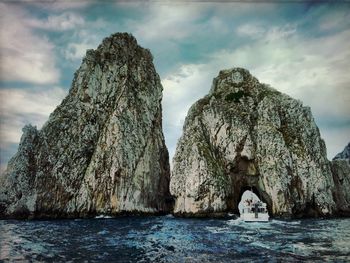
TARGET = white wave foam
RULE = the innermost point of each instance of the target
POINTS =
(102, 217)
(234, 222)
(218, 230)
(289, 222)
(260, 244)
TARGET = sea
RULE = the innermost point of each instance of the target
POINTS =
(171, 239)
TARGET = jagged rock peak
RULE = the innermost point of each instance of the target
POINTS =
(345, 154)
(233, 79)
(115, 47)
(247, 135)
(102, 151)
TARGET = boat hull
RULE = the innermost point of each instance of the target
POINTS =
(251, 217)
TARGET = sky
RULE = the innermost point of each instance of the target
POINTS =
(299, 48)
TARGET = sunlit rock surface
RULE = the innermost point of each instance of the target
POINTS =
(102, 150)
(246, 135)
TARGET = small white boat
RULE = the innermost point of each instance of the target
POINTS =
(254, 211)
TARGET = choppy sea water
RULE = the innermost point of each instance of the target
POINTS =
(169, 239)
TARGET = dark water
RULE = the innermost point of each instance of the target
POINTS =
(169, 239)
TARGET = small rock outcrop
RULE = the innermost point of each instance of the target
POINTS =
(102, 151)
(341, 176)
(345, 154)
(245, 135)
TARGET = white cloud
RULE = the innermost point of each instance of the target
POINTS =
(335, 20)
(41, 101)
(75, 51)
(171, 22)
(22, 106)
(303, 68)
(313, 72)
(88, 36)
(60, 5)
(311, 69)
(277, 32)
(84, 39)
(19, 107)
(251, 30)
(174, 21)
(64, 21)
(273, 33)
(336, 139)
(25, 56)
(300, 67)
(181, 89)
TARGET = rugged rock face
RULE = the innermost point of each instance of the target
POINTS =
(102, 150)
(341, 177)
(246, 135)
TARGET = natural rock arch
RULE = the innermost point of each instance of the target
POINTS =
(247, 134)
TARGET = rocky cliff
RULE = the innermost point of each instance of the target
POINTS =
(341, 176)
(247, 135)
(102, 150)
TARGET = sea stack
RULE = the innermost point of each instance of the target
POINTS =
(245, 135)
(102, 151)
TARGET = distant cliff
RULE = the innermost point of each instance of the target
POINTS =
(341, 176)
(345, 154)
(102, 150)
(247, 135)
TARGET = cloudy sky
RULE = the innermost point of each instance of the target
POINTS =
(302, 49)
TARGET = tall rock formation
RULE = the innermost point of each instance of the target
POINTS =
(341, 176)
(102, 150)
(246, 135)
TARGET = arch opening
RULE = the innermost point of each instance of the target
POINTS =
(244, 174)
